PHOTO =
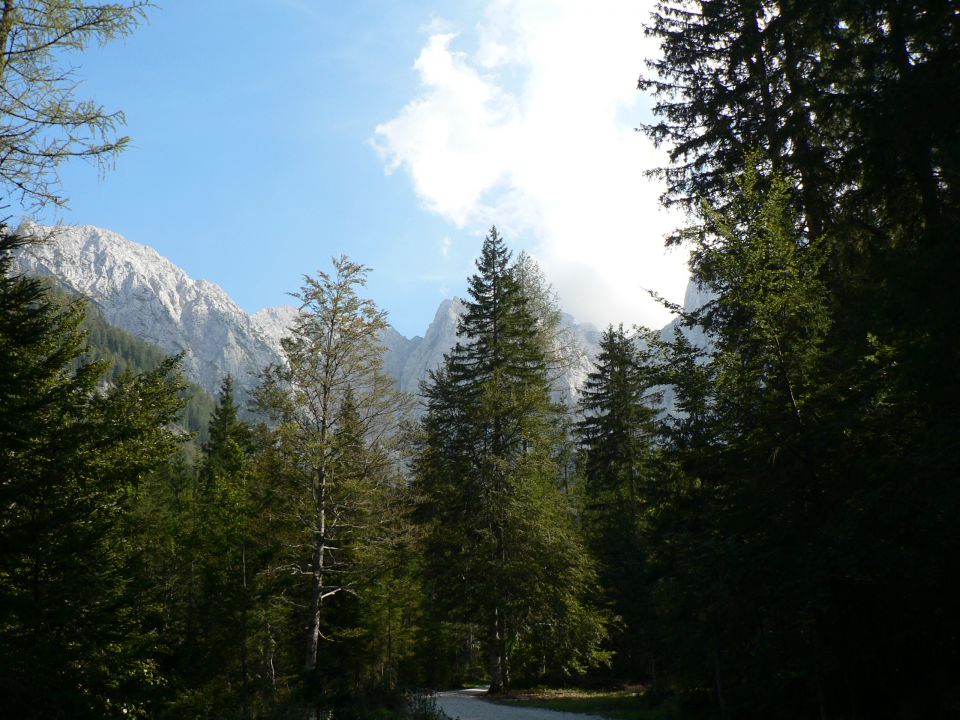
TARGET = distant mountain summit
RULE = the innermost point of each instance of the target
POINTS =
(409, 360)
(141, 292)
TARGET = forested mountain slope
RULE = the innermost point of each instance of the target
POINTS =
(128, 355)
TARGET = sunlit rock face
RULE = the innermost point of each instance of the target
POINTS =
(143, 293)
(410, 360)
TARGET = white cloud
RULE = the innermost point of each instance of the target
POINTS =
(445, 244)
(534, 132)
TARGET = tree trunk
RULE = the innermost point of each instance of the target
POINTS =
(269, 650)
(244, 671)
(718, 682)
(316, 593)
(504, 657)
(499, 672)
(494, 650)
(6, 27)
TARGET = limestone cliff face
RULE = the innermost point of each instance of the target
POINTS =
(140, 291)
(145, 294)
(410, 360)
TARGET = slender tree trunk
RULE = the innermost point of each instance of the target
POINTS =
(244, 672)
(190, 610)
(269, 649)
(806, 159)
(820, 699)
(389, 667)
(499, 671)
(6, 27)
(504, 657)
(316, 594)
(757, 63)
(718, 681)
(495, 659)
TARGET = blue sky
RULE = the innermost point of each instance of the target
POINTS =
(269, 136)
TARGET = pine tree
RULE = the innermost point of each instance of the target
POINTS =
(225, 557)
(851, 103)
(72, 635)
(738, 536)
(502, 550)
(819, 89)
(617, 427)
(616, 434)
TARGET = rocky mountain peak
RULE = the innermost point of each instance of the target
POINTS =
(140, 291)
(143, 293)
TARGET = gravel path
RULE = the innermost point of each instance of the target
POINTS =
(470, 705)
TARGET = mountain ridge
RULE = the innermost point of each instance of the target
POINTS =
(148, 296)
(145, 294)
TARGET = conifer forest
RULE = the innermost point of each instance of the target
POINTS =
(755, 514)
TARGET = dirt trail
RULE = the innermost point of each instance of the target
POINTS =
(470, 705)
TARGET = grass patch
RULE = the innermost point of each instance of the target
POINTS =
(615, 704)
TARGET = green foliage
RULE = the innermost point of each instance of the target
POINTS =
(337, 496)
(620, 469)
(766, 539)
(125, 354)
(224, 559)
(820, 89)
(41, 121)
(748, 498)
(72, 633)
(121, 354)
(815, 446)
(617, 428)
(502, 550)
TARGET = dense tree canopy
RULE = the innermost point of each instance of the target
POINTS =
(814, 444)
(618, 466)
(502, 550)
(778, 538)
(72, 636)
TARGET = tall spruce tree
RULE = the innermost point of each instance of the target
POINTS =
(616, 434)
(617, 426)
(744, 542)
(225, 559)
(73, 642)
(852, 103)
(502, 550)
(819, 89)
